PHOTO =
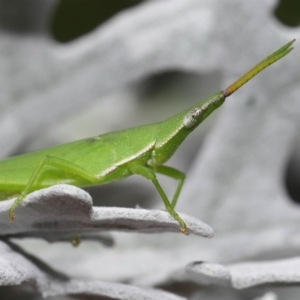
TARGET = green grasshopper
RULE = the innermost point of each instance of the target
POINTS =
(141, 150)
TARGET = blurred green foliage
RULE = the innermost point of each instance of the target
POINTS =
(288, 12)
(74, 18)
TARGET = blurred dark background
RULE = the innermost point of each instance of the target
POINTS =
(74, 18)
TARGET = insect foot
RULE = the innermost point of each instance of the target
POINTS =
(11, 214)
(184, 231)
(183, 227)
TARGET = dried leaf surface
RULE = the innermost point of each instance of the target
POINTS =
(245, 275)
(65, 208)
(18, 267)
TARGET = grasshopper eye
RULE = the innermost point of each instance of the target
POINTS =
(191, 118)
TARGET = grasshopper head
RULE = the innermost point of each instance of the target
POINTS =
(199, 113)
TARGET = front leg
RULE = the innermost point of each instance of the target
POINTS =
(58, 163)
(175, 174)
(148, 173)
